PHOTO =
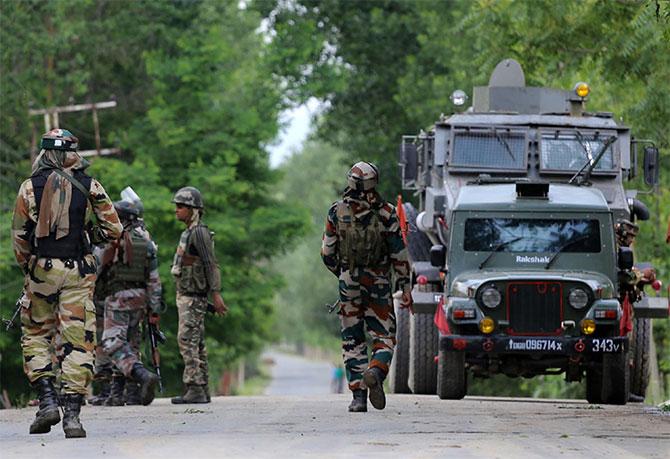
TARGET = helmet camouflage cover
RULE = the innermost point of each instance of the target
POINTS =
(59, 139)
(363, 176)
(188, 196)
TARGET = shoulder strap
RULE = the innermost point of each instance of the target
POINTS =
(75, 182)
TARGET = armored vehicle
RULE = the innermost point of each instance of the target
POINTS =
(520, 247)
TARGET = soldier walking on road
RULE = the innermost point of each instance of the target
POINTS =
(196, 274)
(362, 245)
(53, 248)
(129, 269)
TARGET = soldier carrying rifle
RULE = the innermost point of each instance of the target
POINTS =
(129, 269)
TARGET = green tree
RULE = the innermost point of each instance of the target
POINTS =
(196, 106)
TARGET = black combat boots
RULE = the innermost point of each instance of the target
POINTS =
(360, 402)
(193, 394)
(47, 414)
(147, 381)
(103, 395)
(374, 380)
(133, 396)
(116, 397)
(71, 423)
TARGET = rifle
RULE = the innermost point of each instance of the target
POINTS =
(10, 323)
(156, 337)
(331, 307)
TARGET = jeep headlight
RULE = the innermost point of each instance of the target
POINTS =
(491, 297)
(578, 298)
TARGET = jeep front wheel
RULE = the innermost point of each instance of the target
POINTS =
(452, 382)
(616, 378)
(399, 372)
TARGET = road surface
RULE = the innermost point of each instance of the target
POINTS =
(294, 375)
(318, 425)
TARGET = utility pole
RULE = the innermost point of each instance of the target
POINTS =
(51, 121)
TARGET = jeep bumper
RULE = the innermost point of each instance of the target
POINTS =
(557, 345)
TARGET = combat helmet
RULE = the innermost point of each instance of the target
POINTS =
(127, 210)
(59, 139)
(188, 196)
(363, 176)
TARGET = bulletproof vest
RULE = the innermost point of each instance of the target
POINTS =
(361, 245)
(134, 273)
(75, 244)
(193, 278)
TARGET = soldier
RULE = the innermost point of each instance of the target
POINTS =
(196, 274)
(129, 269)
(52, 247)
(362, 245)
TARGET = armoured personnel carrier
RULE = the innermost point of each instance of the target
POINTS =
(520, 247)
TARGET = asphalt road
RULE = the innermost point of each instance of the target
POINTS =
(291, 426)
(294, 375)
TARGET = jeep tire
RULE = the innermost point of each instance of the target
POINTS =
(399, 371)
(616, 378)
(422, 352)
(639, 350)
(452, 382)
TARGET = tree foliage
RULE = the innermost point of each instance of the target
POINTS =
(196, 106)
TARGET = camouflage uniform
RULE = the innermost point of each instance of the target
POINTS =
(196, 273)
(60, 293)
(365, 282)
(53, 249)
(125, 307)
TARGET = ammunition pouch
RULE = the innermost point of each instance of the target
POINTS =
(193, 279)
(360, 245)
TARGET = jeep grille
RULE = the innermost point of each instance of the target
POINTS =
(534, 308)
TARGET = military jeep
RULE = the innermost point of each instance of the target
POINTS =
(500, 153)
(531, 289)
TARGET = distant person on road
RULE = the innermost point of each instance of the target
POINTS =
(196, 274)
(337, 379)
(362, 245)
(52, 245)
(129, 269)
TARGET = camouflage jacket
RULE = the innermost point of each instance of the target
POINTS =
(135, 298)
(396, 253)
(24, 219)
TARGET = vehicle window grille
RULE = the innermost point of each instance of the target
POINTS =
(489, 149)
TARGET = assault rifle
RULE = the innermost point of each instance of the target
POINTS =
(10, 323)
(156, 337)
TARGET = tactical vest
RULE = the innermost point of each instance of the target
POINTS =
(360, 245)
(193, 279)
(75, 244)
(134, 274)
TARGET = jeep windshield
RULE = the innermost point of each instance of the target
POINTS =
(520, 235)
(570, 150)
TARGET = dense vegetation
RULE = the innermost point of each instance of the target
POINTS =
(196, 106)
(200, 85)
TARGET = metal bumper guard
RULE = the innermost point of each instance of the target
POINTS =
(534, 344)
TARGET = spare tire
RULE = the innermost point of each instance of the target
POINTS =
(418, 244)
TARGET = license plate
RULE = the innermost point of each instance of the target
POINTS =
(534, 344)
(605, 345)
